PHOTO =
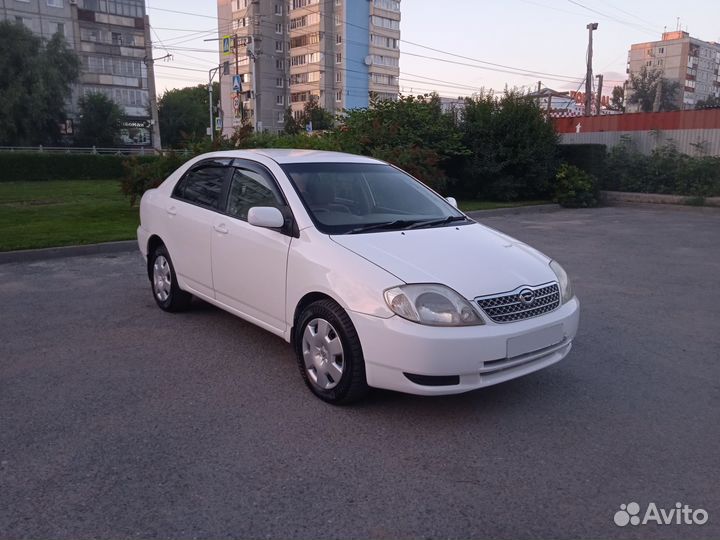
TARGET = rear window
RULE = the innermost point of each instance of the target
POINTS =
(202, 186)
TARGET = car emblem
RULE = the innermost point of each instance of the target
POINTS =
(526, 296)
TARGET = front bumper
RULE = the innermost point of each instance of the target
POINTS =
(471, 357)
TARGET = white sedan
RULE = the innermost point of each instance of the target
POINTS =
(375, 279)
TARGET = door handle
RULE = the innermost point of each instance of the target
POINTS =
(222, 229)
(171, 210)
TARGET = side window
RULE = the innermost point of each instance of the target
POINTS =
(202, 186)
(250, 188)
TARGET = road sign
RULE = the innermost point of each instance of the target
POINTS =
(308, 127)
(218, 123)
(227, 40)
(236, 102)
(237, 83)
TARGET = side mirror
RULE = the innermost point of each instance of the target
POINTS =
(452, 201)
(268, 217)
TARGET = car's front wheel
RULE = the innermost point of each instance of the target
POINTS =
(329, 353)
(166, 292)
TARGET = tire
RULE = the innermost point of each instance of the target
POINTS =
(167, 294)
(329, 354)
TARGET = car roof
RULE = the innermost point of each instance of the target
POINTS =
(284, 156)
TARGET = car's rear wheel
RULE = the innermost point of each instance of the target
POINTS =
(166, 292)
(329, 353)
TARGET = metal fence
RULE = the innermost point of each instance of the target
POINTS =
(141, 151)
(695, 142)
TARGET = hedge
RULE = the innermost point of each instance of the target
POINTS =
(591, 158)
(19, 166)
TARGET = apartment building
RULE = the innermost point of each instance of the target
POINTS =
(340, 52)
(691, 62)
(112, 39)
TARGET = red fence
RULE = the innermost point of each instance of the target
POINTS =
(663, 121)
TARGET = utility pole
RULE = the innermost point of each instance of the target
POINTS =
(599, 95)
(253, 70)
(658, 96)
(149, 64)
(589, 76)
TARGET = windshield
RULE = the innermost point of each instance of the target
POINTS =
(344, 198)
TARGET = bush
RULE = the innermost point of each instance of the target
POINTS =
(575, 188)
(141, 175)
(17, 166)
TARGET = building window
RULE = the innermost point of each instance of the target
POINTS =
(278, 28)
(279, 82)
(389, 5)
(384, 22)
(281, 117)
(338, 76)
(295, 4)
(55, 3)
(338, 38)
(338, 58)
(278, 46)
(60, 28)
(278, 64)
(278, 9)
(279, 100)
(338, 95)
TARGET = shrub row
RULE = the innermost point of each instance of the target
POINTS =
(19, 166)
(665, 171)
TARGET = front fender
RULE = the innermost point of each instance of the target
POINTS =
(316, 264)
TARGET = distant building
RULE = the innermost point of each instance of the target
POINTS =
(112, 39)
(693, 63)
(340, 52)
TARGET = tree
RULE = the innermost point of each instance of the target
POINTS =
(184, 114)
(314, 114)
(412, 132)
(711, 102)
(617, 101)
(292, 126)
(513, 148)
(100, 120)
(36, 78)
(645, 86)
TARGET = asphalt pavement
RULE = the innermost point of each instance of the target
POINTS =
(118, 420)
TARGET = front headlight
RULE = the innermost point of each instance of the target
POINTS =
(431, 304)
(566, 291)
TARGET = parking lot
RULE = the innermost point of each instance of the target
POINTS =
(118, 420)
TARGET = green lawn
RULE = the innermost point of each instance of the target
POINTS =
(471, 206)
(64, 212)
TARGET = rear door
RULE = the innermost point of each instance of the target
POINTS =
(250, 263)
(191, 213)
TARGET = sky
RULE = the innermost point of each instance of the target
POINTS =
(547, 37)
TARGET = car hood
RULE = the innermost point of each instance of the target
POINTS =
(472, 259)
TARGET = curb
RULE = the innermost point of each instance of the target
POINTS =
(532, 209)
(27, 255)
(616, 198)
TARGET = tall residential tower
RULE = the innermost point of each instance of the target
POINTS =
(689, 61)
(112, 39)
(340, 52)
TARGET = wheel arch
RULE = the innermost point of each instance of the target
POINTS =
(304, 302)
(153, 243)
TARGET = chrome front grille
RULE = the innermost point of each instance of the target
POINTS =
(514, 306)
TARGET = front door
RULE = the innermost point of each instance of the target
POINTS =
(250, 263)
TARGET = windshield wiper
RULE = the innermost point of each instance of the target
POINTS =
(398, 223)
(436, 222)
